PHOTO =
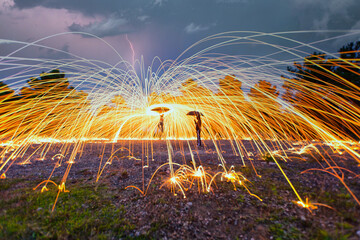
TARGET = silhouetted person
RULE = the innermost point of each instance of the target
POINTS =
(198, 128)
(161, 124)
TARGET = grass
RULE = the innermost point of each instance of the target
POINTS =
(278, 231)
(268, 158)
(93, 212)
(82, 213)
(325, 235)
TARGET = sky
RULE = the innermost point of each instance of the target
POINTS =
(162, 28)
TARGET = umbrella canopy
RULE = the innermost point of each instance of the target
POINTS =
(160, 109)
(194, 113)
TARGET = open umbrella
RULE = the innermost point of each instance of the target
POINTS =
(160, 109)
(194, 113)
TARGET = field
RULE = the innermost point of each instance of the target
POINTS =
(109, 209)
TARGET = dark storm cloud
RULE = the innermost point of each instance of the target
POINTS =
(22, 4)
(166, 27)
(213, 16)
(331, 14)
(87, 7)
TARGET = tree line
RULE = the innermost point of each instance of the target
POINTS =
(326, 89)
(321, 92)
(43, 106)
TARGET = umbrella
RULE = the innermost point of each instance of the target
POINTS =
(194, 113)
(160, 109)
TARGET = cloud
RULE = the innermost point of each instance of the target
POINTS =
(143, 18)
(326, 14)
(108, 27)
(233, 1)
(6, 4)
(322, 24)
(356, 26)
(62, 53)
(352, 35)
(159, 2)
(192, 28)
(169, 26)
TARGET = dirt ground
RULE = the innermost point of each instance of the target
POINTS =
(269, 212)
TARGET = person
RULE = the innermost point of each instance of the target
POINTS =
(198, 128)
(161, 124)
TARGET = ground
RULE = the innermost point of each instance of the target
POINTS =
(106, 209)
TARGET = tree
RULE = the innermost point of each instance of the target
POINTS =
(6, 107)
(49, 105)
(190, 88)
(263, 91)
(230, 95)
(51, 84)
(326, 89)
(231, 104)
(348, 65)
(264, 112)
(230, 86)
(195, 95)
(317, 70)
(5, 92)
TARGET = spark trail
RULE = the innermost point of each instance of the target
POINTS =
(108, 103)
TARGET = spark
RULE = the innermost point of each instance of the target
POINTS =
(44, 188)
(174, 180)
(311, 206)
(113, 105)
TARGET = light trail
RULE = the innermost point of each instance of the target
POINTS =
(112, 103)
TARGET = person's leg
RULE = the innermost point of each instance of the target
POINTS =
(198, 138)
